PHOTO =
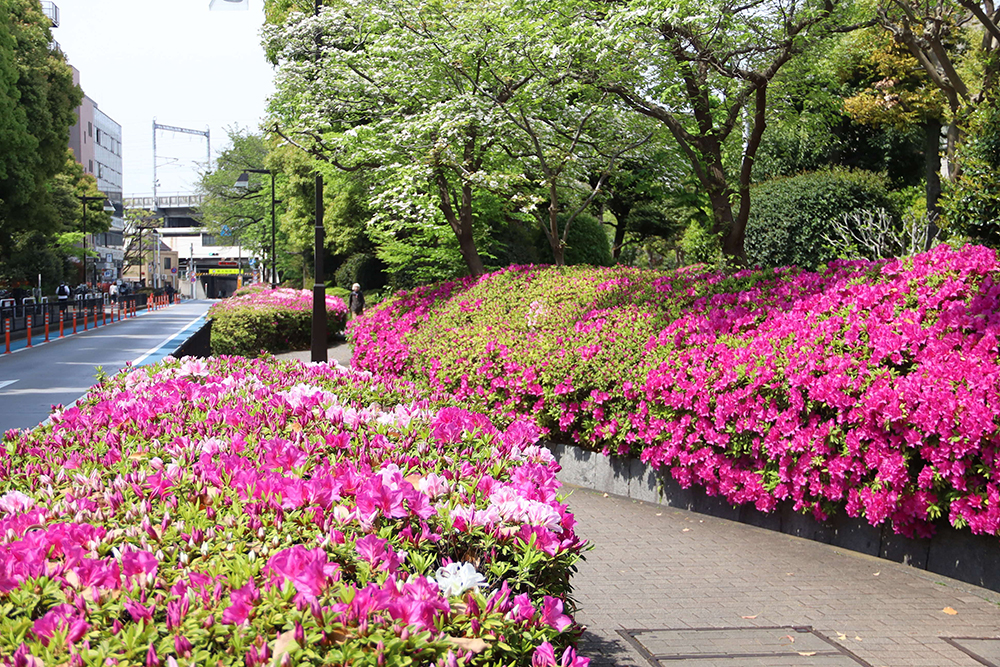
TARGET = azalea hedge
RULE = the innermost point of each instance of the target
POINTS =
(259, 319)
(256, 512)
(870, 388)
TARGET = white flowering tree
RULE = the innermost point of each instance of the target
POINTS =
(702, 69)
(444, 103)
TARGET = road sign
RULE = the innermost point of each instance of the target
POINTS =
(224, 272)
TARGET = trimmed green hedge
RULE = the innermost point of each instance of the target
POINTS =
(789, 216)
(270, 321)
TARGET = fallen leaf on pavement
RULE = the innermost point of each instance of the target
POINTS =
(807, 653)
(949, 611)
(751, 617)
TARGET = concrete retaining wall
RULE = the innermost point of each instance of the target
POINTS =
(199, 344)
(958, 554)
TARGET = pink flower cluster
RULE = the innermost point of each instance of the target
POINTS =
(261, 297)
(249, 512)
(870, 388)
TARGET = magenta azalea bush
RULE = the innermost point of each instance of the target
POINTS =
(259, 319)
(871, 387)
(253, 512)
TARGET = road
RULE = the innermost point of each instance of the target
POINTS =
(61, 371)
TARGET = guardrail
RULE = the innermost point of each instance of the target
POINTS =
(70, 316)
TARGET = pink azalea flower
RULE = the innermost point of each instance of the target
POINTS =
(242, 601)
(61, 618)
(308, 570)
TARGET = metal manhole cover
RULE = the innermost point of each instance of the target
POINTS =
(985, 650)
(781, 646)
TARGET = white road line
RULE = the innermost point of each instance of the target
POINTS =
(166, 340)
(4, 383)
(46, 390)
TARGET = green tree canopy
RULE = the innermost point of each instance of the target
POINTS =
(37, 100)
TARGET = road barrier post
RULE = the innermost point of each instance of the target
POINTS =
(85, 318)
(62, 317)
(6, 333)
(27, 319)
(46, 325)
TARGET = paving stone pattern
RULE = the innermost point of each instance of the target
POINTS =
(655, 567)
(749, 646)
(987, 651)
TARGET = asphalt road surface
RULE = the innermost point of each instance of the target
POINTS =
(61, 371)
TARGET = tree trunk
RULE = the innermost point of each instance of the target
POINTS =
(555, 238)
(467, 245)
(461, 224)
(621, 214)
(720, 196)
(932, 174)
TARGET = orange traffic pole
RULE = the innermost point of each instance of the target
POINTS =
(62, 315)
(46, 326)
(6, 333)
(85, 318)
(27, 319)
(104, 316)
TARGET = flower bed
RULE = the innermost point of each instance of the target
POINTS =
(870, 388)
(251, 512)
(258, 318)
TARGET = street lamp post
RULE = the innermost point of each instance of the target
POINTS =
(244, 182)
(319, 332)
(107, 207)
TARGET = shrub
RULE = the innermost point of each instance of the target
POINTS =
(363, 269)
(789, 216)
(269, 320)
(587, 243)
(870, 388)
(254, 288)
(970, 205)
(239, 512)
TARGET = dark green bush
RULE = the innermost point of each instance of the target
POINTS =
(587, 243)
(789, 216)
(363, 269)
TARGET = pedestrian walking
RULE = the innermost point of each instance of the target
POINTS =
(62, 296)
(356, 302)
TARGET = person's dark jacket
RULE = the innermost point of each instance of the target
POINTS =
(356, 303)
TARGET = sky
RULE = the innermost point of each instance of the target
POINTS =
(177, 62)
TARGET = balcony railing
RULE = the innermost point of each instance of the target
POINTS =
(52, 11)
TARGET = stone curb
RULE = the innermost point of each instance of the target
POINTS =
(957, 554)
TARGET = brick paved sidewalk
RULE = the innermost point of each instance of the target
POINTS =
(655, 567)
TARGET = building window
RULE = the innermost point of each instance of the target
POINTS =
(90, 163)
(166, 263)
(98, 137)
(90, 129)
